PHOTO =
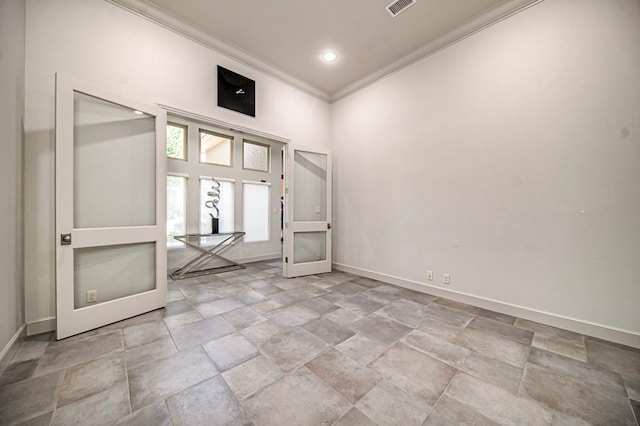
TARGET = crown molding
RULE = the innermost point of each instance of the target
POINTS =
(475, 25)
(171, 22)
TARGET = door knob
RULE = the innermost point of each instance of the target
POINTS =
(65, 239)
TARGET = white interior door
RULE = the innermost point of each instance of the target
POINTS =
(308, 216)
(110, 207)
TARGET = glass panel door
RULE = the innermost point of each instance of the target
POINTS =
(110, 207)
(308, 224)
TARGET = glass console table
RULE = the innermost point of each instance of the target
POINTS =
(208, 259)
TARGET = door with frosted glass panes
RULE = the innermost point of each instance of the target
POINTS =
(110, 207)
(308, 216)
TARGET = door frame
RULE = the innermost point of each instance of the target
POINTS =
(250, 131)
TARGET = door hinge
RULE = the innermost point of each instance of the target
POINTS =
(65, 239)
(286, 260)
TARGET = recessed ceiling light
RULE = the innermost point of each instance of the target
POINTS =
(329, 56)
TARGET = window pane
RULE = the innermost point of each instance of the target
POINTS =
(310, 186)
(114, 165)
(225, 205)
(176, 208)
(256, 212)
(309, 247)
(113, 271)
(215, 149)
(255, 156)
(176, 141)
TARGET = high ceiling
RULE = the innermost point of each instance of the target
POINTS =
(288, 36)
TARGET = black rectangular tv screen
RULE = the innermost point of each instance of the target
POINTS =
(236, 92)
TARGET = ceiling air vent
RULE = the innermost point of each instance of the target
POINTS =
(399, 6)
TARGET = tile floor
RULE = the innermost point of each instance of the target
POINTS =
(249, 347)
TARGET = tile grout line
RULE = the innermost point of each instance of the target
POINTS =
(126, 374)
(458, 372)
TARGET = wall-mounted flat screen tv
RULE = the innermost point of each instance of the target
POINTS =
(236, 92)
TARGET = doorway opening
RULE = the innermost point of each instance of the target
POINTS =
(244, 170)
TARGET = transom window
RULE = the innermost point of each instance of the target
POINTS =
(215, 148)
(255, 156)
(176, 141)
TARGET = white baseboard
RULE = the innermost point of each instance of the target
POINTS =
(624, 337)
(260, 258)
(44, 325)
(11, 347)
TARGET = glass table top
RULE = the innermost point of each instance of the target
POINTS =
(206, 240)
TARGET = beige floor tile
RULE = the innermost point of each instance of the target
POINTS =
(362, 349)
(405, 312)
(344, 375)
(494, 345)
(150, 383)
(386, 404)
(572, 397)
(414, 372)
(493, 371)
(65, 354)
(442, 350)
(623, 360)
(293, 349)
(299, 398)
(292, 316)
(229, 351)
(251, 376)
(210, 402)
(182, 318)
(448, 411)
(99, 409)
(328, 331)
(218, 306)
(261, 332)
(156, 415)
(150, 352)
(568, 348)
(243, 318)
(448, 315)
(141, 334)
(496, 403)
(380, 328)
(82, 381)
(354, 417)
(25, 399)
(194, 334)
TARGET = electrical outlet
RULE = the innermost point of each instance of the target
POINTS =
(92, 296)
(430, 275)
(446, 278)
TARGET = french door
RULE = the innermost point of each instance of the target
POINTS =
(110, 207)
(308, 217)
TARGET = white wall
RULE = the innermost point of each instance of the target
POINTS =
(12, 48)
(510, 160)
(107, 46)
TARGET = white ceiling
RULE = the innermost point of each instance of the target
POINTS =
(285, 38)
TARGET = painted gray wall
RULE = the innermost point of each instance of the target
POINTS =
(509, 160)
(12, 48)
